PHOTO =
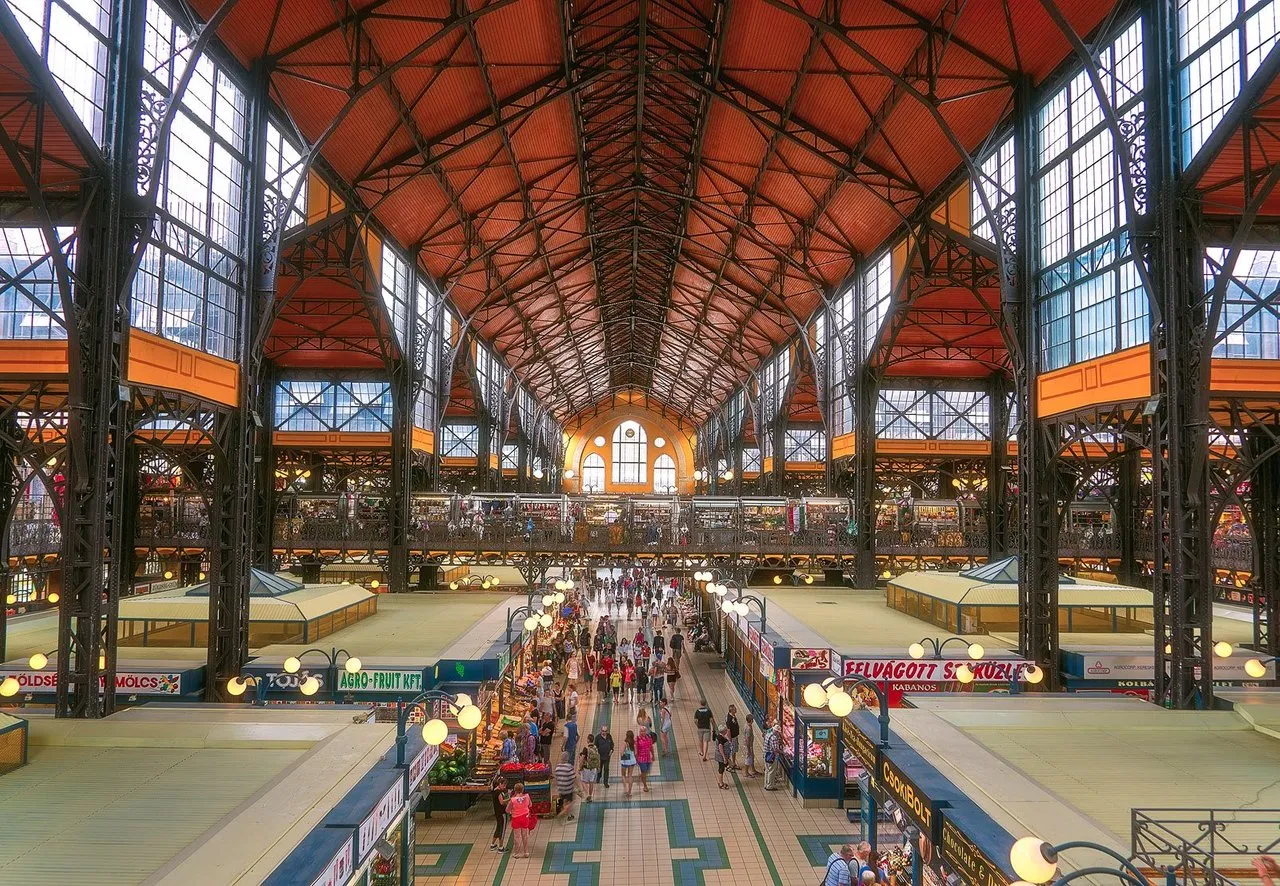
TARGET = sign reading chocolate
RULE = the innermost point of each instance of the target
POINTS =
(918, 807)
(860, 745)
(967, 860)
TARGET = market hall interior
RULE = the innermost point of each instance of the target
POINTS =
(917, 361)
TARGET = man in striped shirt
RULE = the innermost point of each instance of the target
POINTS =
(566, 779)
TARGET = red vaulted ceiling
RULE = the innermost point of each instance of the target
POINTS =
(645, 194)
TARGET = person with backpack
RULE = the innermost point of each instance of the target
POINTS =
(677, 647)
(772, 755)
(589, 767)
(702, 719)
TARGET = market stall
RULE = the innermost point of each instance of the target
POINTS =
(714, 521)
(824, 520)
(432, 514)
(653, 518)
(765, 521)
(548, 513)
(601, 520)
(817, 747)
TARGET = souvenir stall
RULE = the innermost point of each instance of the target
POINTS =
(548, 512)
(431, 514)
(601, 520)
(764, 521)
(714, 521)
(653, 519)
(937, 523)
(825, 519)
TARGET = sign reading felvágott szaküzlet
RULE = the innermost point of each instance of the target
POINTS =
(380, 680)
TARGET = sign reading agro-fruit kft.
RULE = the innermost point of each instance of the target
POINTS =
(380, 680)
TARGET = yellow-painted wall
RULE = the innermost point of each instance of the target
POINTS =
(581, 443)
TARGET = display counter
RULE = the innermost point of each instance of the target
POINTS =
(816, 748)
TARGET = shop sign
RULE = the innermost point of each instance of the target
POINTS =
(1108, 666)
(967, 860)
(810, 659)
(283, 681)
(380, 680)
(918, 807)
(378, 821)
(753, 638)
(766, 649)
(860, 745)
(127, 682)
(504, 661)
(926, 670)
(339, 869)
(420, 765)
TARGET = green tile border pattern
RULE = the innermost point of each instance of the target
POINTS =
(818, 847)
(452, 858)
(590, 838)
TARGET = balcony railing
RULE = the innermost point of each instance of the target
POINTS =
(1205, 847)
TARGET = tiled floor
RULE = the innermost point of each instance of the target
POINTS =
(683, 832)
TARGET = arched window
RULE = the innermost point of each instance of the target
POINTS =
(664, 475)
(630, 453)
(593, 473)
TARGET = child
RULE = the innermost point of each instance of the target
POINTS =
(615, 684)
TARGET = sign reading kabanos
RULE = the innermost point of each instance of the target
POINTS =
(932, 670)
(918, 807)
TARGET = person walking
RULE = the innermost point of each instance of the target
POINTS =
(673, 674)
(546, 729)
(615, 683)
(731, 723)
(589, 767)
(566, 778)
(677, 647)
(571, 733)
(749, 740)
(722, 757)
(642, 681)
(500, 796)
(659, 642)
(520, 808)
(644, 756)
(702, 719)
(627, 761)
(772, 755)
(604, 744)
(629, 681)
(644, 723)
(664, 728)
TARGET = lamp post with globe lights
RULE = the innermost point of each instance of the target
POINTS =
(293, 664)
(965, 674)
(832, 695)
(1036, 862)
(534, 619)
(740, 605)
(1257, 667)
(435, 730)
